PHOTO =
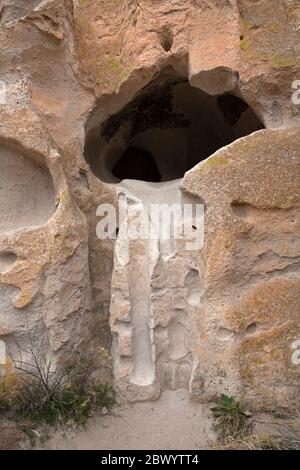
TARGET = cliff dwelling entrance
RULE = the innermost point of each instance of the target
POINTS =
(165, 131)
(142, 152)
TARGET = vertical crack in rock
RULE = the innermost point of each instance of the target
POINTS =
(143, 371)
(151, 316)
(133, 265)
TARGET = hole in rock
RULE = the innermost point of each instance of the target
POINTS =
(224, 334)
(27, 195)
(166, 38)
(166, 129)
(7, 260)
(251, 329)
(137, 164)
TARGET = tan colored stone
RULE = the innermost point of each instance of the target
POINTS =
(215, 51)
(217, 320)
(251, 254)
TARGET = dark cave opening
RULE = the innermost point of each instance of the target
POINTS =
(165, 131)
(137, 164)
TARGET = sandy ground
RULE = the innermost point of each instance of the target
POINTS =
(11, 436)
(172, 423)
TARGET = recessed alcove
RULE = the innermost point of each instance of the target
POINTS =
(138, 164)
(145, 149)
(165, 131)
(27, 194)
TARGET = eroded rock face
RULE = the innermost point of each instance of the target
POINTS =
(251, 277)
(217, 320)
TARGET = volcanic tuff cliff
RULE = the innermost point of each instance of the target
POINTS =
(204, 89)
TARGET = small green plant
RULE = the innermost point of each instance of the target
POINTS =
(230, 420)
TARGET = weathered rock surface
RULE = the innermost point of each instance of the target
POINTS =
(250, 301)
(221, 319)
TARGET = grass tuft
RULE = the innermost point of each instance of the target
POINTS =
(230, 420)
(69, 403)
(236, 432)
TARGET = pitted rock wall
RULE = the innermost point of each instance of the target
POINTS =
(68, 66)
